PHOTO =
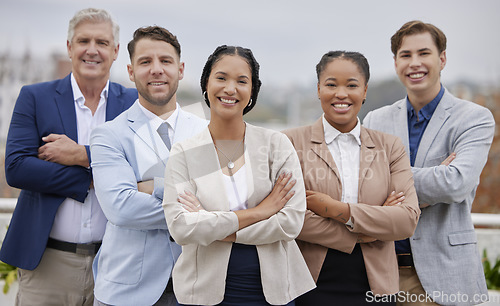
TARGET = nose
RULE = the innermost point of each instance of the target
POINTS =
(230, 88)
(92, 49)
(415, 61)
(341, 92)
(156, 67)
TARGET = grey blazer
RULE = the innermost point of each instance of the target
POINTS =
(444, 246)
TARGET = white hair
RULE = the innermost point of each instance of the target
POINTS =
(93, 15)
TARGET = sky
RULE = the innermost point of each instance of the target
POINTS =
(288, 37)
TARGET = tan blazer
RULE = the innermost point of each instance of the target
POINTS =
(384, 167)
(200, 272)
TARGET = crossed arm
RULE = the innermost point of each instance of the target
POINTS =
(56, 167)
(455, 178)
(279, 216)
(116, 185)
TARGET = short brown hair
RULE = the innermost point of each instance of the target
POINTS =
(417, 27)
(154, 33)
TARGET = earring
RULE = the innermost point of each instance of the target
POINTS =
(363, 101)
(204, 94)
(249, 103)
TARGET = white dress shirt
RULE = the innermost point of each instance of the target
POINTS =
(75, 221)
(345, 148)
(155, 121)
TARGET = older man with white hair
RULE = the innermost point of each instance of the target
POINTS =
(58, 225)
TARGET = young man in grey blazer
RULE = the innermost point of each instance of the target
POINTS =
(448, 140)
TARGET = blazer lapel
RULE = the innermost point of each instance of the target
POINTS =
(366, 156)
(438, 119)
(318, 146)
(400, 119)
(66, 106)
(211, 161)
(254, 159)
(114, 105)
(182, 128)
(139, 124)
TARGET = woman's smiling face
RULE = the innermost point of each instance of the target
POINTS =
(342, 90)
(229, 86)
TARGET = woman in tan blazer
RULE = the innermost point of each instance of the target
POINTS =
(235, 199)
(360, 193)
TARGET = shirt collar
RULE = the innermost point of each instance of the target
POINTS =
(78, 95)
(428, 110)
(155, 121)
(331, 133)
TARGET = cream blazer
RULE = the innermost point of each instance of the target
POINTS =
(384, 166)
(200, 272)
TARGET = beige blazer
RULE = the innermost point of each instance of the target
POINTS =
(200, 272)
(384, 167)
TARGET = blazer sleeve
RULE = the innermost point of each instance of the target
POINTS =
(115, 184)
(328, 233)
(287, 223)
(452, 184)
(24, 170)
(203, 227)
(390, 222)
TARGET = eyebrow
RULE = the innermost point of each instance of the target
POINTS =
(348, 80)
(150, 57)
(224, 73)
(419, 50)
(140, 58)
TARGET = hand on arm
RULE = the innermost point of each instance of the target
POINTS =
(323, 205)
(394, 199)
(190, 202)
(146, 186)
(60, 149)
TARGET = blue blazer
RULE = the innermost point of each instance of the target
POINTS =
(42, 109)
(137, 255)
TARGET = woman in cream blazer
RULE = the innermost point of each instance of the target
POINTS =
(353, 215)
(235, 199)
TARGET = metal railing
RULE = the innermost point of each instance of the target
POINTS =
(7, 206)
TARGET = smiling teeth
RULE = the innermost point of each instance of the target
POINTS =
(156, 83)
(228, 101)
(416, 75)
(341, 105)
(88, 62)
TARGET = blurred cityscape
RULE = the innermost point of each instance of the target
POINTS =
(278, 107)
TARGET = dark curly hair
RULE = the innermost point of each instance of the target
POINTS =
(247, 55)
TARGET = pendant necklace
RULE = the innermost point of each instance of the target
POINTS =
(230, 164)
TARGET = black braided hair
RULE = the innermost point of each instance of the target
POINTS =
(355, 57)
(247, 55)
